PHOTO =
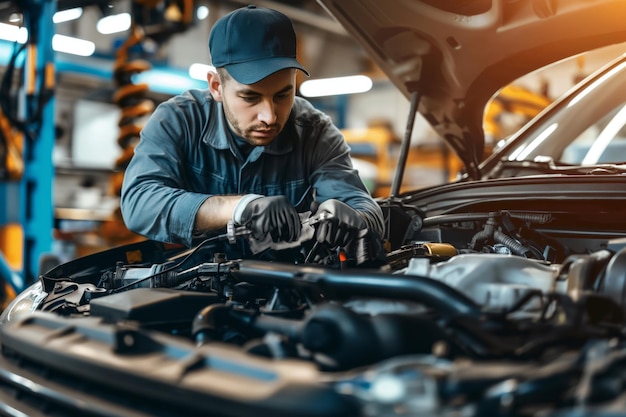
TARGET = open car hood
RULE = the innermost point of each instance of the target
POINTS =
(451, 57)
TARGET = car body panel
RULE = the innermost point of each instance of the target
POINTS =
(169, 371)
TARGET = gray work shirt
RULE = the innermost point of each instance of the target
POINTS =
(187, 154)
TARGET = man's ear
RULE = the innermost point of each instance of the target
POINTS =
(215, 85)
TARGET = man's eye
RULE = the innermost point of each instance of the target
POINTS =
(249, 99)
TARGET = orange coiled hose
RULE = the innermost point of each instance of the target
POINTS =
(135, 107)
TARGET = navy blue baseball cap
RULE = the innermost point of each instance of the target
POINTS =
(253, 43)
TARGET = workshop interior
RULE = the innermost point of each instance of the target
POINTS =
(491, 135)
(71, 113)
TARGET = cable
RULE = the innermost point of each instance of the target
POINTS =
(36, 99)
(8, 107)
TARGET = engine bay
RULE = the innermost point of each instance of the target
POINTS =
(489, 285)
(465, 302)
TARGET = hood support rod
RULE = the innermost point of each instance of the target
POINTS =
(406, 143)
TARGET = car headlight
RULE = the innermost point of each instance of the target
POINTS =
(25, 303)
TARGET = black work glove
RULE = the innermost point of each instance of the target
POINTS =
(338, 223)
(274, 216)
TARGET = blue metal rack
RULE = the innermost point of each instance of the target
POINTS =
(28, 201)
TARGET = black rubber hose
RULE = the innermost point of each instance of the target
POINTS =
(516, 247)
(340, 284)
(209, 324)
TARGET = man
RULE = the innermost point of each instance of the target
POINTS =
(247, 150)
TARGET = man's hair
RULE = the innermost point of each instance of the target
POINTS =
(223, 74)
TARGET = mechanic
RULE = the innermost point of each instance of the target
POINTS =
(246, 150)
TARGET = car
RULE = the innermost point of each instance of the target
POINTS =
(500, 294)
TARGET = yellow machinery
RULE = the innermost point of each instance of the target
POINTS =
(515, 100)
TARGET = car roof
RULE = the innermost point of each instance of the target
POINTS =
(452, 56)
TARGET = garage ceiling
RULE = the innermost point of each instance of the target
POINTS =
(325, 47)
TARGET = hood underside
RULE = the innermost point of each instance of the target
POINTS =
(454, 55)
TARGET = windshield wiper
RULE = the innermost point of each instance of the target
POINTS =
(507, 168)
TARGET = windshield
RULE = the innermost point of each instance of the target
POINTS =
(585, 128)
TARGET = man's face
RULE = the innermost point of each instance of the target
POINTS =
(256, 112)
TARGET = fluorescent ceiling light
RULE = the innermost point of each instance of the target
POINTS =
(167, 81)
(69, 45)
(66, 15)
(202, 12)
(60, 43)
(114, 23)
(199, 71)
(336, 86)
(13, 33)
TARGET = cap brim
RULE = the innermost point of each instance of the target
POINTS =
(254, 71)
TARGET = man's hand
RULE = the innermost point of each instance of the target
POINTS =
(339, 223)
(274, 216)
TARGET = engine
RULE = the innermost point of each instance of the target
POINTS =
(480, 313)
(502, 289)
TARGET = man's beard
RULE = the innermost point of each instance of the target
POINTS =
(247, 134)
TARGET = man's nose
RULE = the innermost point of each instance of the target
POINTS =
(267, 112)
